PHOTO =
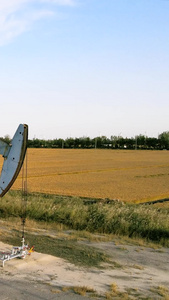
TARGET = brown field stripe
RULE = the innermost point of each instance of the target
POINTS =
(99, 171)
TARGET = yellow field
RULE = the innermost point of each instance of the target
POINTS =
(123, 174)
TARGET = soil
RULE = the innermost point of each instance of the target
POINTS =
(136, 270)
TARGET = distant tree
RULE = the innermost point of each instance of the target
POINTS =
(121, 142)
(60, 143)
(77, 143)
(6, 139)
(86, 142)
(152, 143)
(36, 143)
(69, 143)
(140, 140)
(164, 140)
(114, 141)
(98, 142)
(104, 141)
(129, 143)
(54, 144)
(94, 143)
(30, 143)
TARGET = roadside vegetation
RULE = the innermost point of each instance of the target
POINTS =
(92, 215)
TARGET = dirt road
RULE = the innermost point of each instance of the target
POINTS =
(135, 270)
(11, 289)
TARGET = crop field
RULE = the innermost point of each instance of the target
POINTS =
(127, 175)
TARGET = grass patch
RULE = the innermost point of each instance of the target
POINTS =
(99, 217)
(75, 253)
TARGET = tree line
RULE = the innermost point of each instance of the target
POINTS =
(102, 142)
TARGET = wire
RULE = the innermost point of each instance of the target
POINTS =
(24, 194)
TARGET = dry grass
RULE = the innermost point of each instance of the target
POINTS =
(128, 175)
(161, 291)
(83, 290)
(80, 290)
(114, 293)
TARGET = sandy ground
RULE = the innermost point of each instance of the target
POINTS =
(137, 270)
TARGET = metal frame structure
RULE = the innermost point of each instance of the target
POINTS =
(16, 252)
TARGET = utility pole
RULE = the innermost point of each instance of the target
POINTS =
(95, 143)
(136, 142)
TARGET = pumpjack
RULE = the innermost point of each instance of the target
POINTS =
(14, 155)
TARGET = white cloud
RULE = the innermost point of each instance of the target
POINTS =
(60, 2)
(17, 16)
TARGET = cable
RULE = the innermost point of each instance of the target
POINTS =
(24, 194)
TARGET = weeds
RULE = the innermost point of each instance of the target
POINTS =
(134, 221)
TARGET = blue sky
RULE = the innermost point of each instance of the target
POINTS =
(84, 67)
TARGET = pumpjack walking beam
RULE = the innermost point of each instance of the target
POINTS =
(14, 154)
